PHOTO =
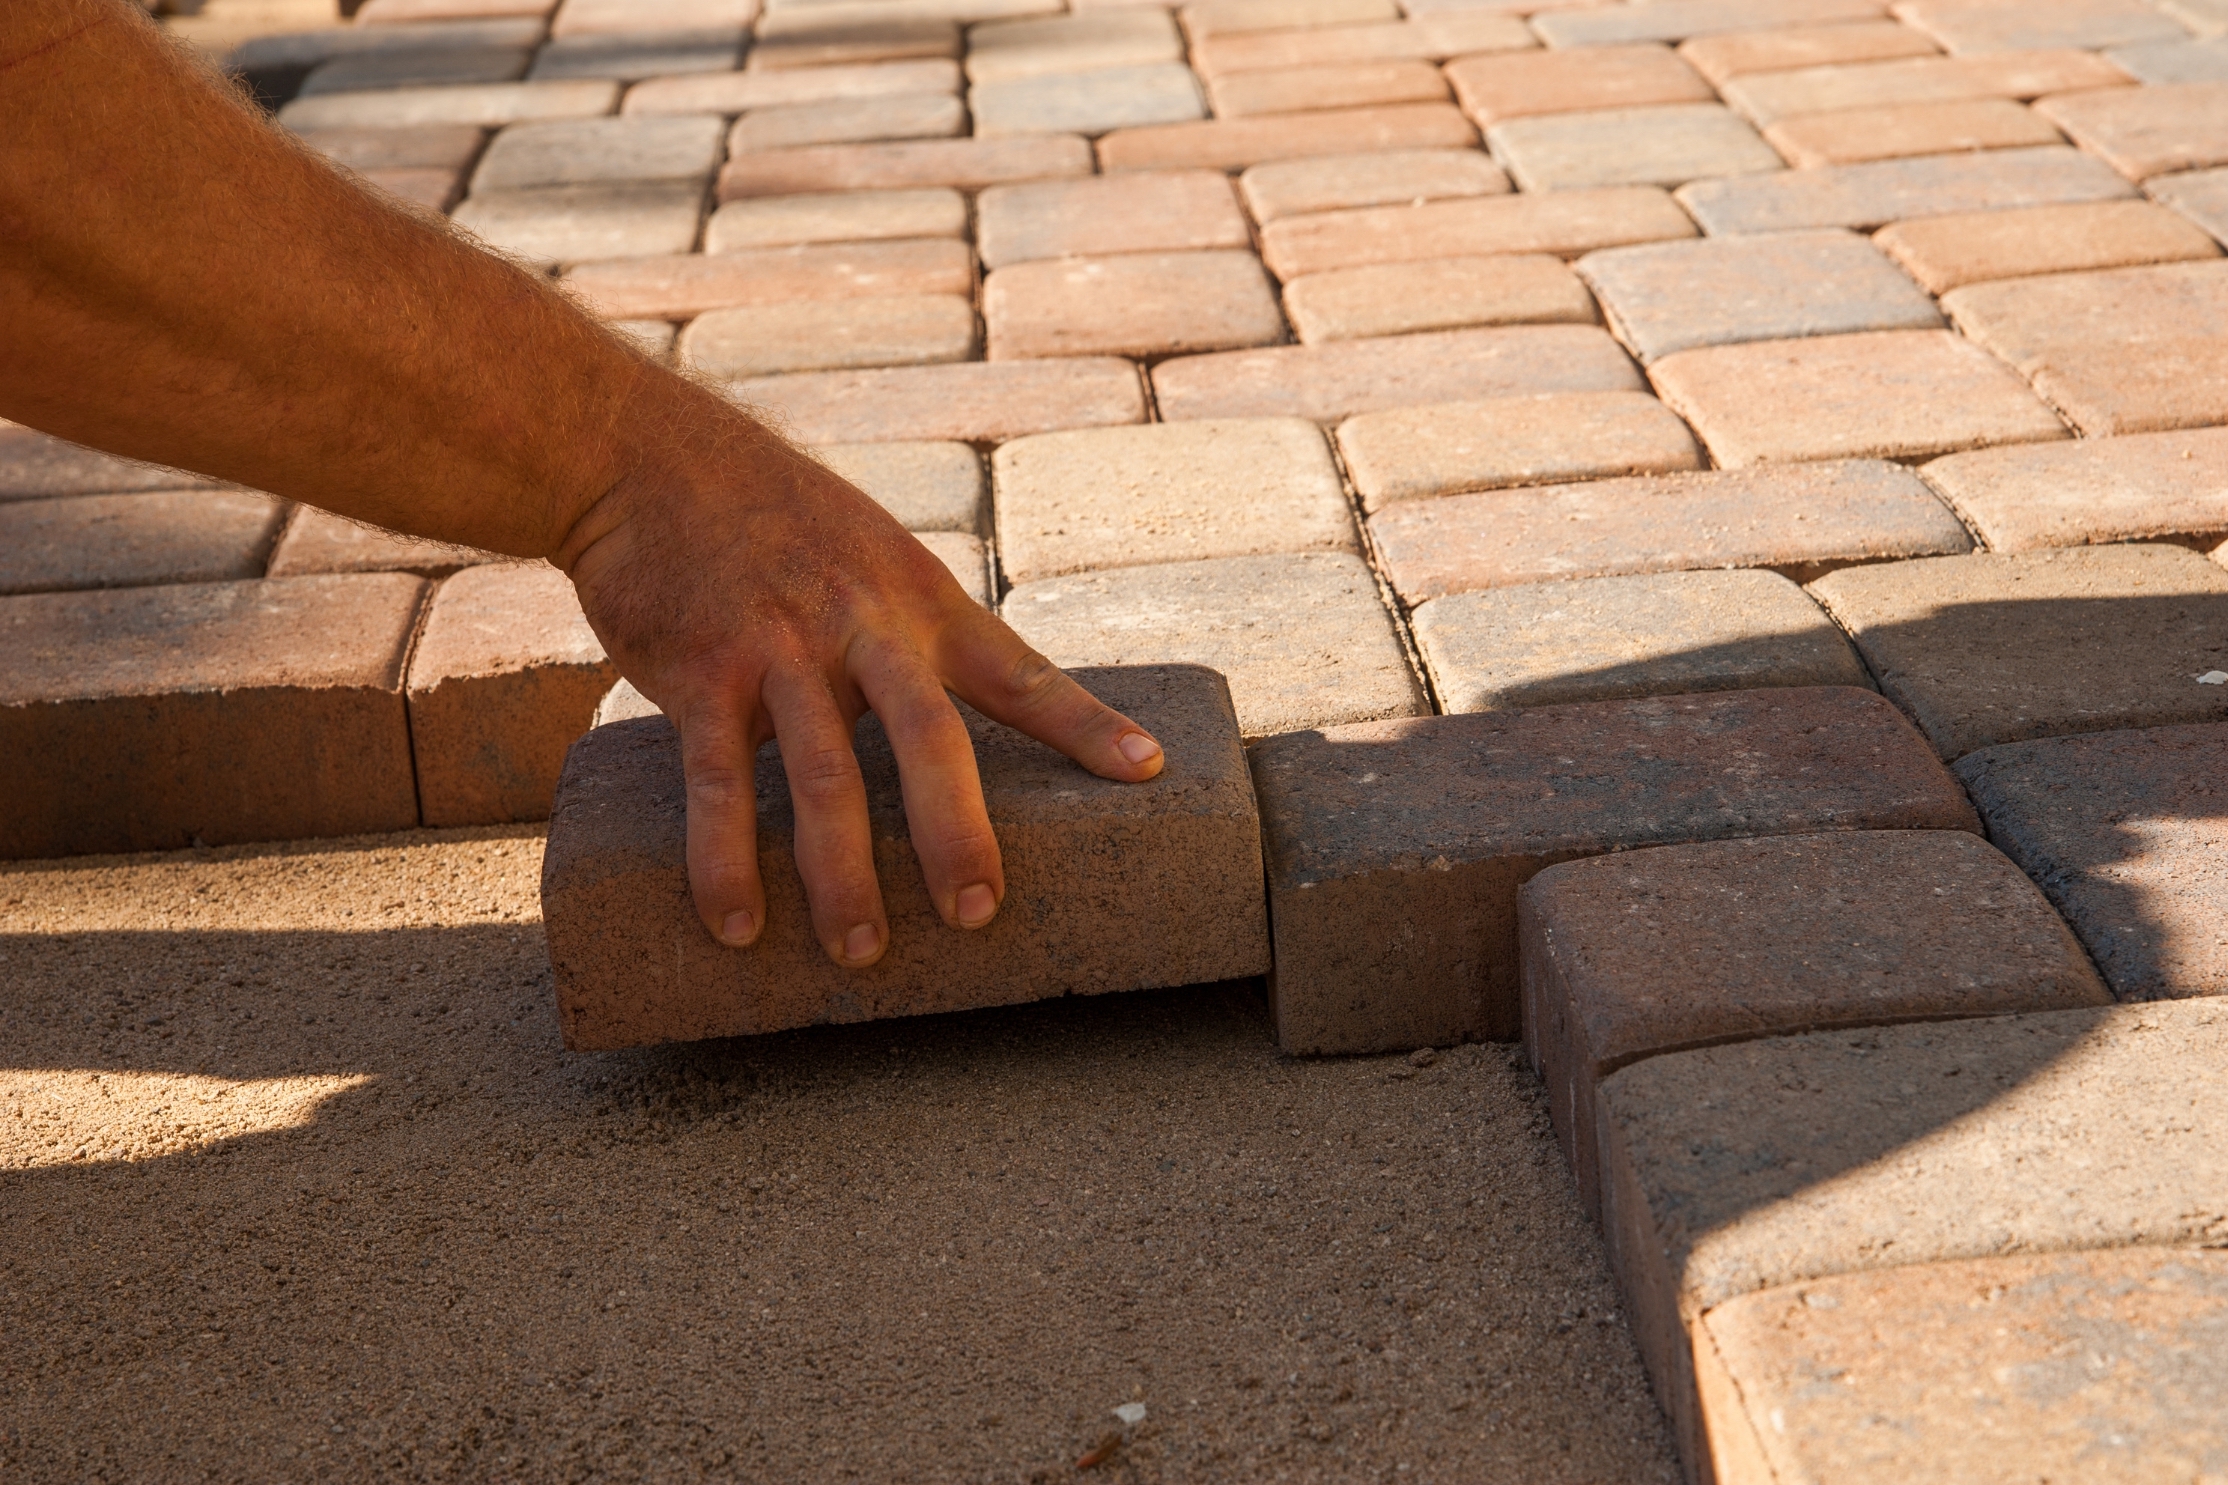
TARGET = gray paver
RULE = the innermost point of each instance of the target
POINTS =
(929, 486)
(2147, 131)
(1662, 146)
(848, 121)
(1123, 36)
(1144, 211)
(416, 69)
(575, 224)
(34, 464)
(2200, 195)
(1966, 28)
(485, 104)
(1088, 102)
(1132, 304)
(631, 56)
(130, 541)
(817, 335)
(577, 152)
(1882, 191)
(2173, 61)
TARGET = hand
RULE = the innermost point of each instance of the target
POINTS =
(752, 593)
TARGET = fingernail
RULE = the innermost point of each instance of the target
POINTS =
(1137, 747)
(974, 905)
(861, 942)
(737, 928)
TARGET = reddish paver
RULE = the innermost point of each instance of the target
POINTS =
(1337, 182)
(848, 121)
(1135, 304)
(1330, 382)
(1669, 297)
(1991, 648)
(1413, 453)
(486, 104)
(1632, 956)
(971, 403)
(1339, 85)
(1439, 294)
(849, 216)
(505, 675)
(1209, 18)
(577, 224)
(1966, 27)
(1039, 46)
(1678, 20)
(449, 147)
(929, 486)
(1948, 252)
(1493, 88)
(1563, 222)
(804, 38)
(1722, 58)
(131, 541)
(143, 719)
(1146, 212)
(969, 164)
(2125, 832)
(678, 286)
(763, 339)
(1799, 519)
(1088, 102)
(1882, 191)
(1904, 129)
(1109, 886)
(1232, 144)
(34, 464)
(1435, 823)
(738, 92)
(1890, 394)
(2092, 490)
(2148, 131)
(1667, 145)
(1453, 33)
(1770, 97)
(317, 541)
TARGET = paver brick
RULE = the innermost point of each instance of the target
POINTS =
(573, 224)
(598, 17)
(301, 50)
(450, 147)
(1989, 648)
(1735, 54)
(1439, 294)
(1522, 84)
(1109, 886)
(577, 152)
(1130, 36)
(2173, 61)
(1332, 382)
(1301, 637)
(1167, 492)
(1454, 33)
(1767, 98)
(1662, 146)
(969, 164)
(1088, 102)
(1937, 1365)
(1883, 191)
(930, 486)
(1133, 304)
(1966, 27)
(1339, 85)
(385, 15)
(2200, 195)
(2207, 18)
(1668, 297)
(35, 464)
(2125, 832)
(139, 719)
(854, 216)
(450, 66)
(1563, 222)
(1885, 394)
(1233, 144)
(739, 92)
(1908, 129)
(635, 55)
(130, 541)
(1802, 520)
(1631, 956)
(1949, 252)
(2092, 491)
(505, 675)
(971, 402)
(966, 558)
(1603, 639)
(485, 104)
(819, 335)
(1678, 20)
(808, 36)
(317, 541)
(1097, 215)
(1210, 18)
(1434, 823)
(848, 121)
(432, 190)
(1414, 453)
(2147, 131)
(1333, 182)
(678, 286)
(653, 338)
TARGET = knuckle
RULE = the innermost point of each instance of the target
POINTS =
(1031, 678)
(822, 772)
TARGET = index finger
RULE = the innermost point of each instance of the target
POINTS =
(988, 667)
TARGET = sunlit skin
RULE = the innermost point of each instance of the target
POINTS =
(181, 282)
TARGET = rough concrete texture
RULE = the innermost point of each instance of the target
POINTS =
(1680, 20)
(1991, 649)
(2128, 834)
(1602, 639)
(1632, 956)
(1963, 26)
(1722, 58)
(1888, 394)
(577, 224)
(580, 152)
(2092, 491)
(1328, 383)
(1233, 144)
(1882, 191)
(487, 105)
(862, 216)
(1087, 102)
(1799, 519)
(968, 164)
(1676, 296)
(153, 718)
(932, 486)
(1905, 129)
(1769, 98)
(1432, 36)
(1415, 453)
(1341, 182)
(1434, 823)
(683, 286)
(317, 541)
(1966, 1370)
(1145, 212)
(1167, 492)
(1949, 252)
(1356, 84)
(739, 92)
(1667, 145)
(1566, 223)
(1132, 304)
(1740, 1168)
(935, 115)
(969, 402)
(1038, 46)
(35, 464)
(505, 674)
(819, 335)
(1523, 84)
(1436, 294)
(1109, 886)
(131, 541)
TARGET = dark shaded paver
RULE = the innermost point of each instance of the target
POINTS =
(130, 541)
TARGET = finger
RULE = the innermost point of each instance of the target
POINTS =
(993, 671)
(834, 844)
(717, 766)
(943, 791)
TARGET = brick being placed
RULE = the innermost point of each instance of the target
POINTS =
(34, 465)
(815, 335)
(1436, 294)
(2092, 491)
(1667, 145)
(1631, 956)
(144, 719)
(682, 286)
(1233, 144)
(968, 402)
(1109, 886)
(1098, 215)
(317, 541)
(1949, 252)
(928, 486)
(1524, 84)
(848, 121)
(1287, 188)
(1565, 223)
(1130, 304)
(1433, 823)
(1419, 453)
(1878, 192)
(131, 541)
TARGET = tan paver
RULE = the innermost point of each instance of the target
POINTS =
(1438, 294)
(848, 121)
(1799, 519)
(1233, 144)
(1415, 453)
(1770, 97)
(1135, 304)
(578, 152)
(1435, 822)
(970, 403)
(676, 287)
(738, 92)
(629, 56)
(1948, 252)
(598, 17)
(931, 486)
(1208, 18)
(1563, 222)
(1678, 20)
(1966, 27)
(2142, 132)
(2173, 61)
(432, 190)
(969, 164)
(1129, 36)
(653, 338)
(967, 559)
(759, 340)
(575, 224)
(1432, 37)
(1167, 492)
(1735, 54)
(131, 541)
(1092, 103)
(1142, 212)
(2092, 491)
(1338, 182)
(1328, 383)
(1908, 129)
(486, 104)
(1301, 637)
(1663, 146)
(2105, 389)
(854, 216)
(1340, 85)
(806, 37)
(1883, 191)
(1893, 394)
(1493, 88)
(450, 147)
(2200, 195)
(381, 14)
(317, 541)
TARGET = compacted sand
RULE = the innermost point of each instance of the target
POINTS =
(297, 1184)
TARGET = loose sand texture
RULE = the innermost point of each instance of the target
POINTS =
(297, 1184)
